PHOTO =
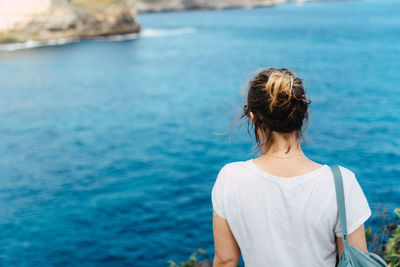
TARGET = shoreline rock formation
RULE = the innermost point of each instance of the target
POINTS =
(62, 19)
(57, 21)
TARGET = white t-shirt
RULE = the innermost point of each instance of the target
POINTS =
(287, 222)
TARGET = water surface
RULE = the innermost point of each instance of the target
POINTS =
(107, 149)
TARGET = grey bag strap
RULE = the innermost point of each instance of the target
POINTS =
(337, 175)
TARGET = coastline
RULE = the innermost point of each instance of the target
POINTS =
(9, 47)
(60, 22)
(69, 29)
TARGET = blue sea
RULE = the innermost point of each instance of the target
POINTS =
(109, 150)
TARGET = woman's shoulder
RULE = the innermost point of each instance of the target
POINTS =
(234, 166)
(348, 175)
(346, 171)
(233, 169)
(350, 181)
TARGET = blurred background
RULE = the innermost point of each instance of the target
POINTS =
(110, 112)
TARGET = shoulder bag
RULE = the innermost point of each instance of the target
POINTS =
(351, 256)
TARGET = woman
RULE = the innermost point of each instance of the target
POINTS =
(280, 209)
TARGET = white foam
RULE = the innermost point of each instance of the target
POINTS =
(166, 32)
(31, 44)
(114, 38)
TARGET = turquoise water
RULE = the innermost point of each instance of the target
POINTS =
(107, 149)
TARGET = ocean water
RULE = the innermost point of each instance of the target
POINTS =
(109, 150)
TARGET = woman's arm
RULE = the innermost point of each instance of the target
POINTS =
(227, 251)
(356, 239)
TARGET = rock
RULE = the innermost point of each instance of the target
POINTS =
(65, 20)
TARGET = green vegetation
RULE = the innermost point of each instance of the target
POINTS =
(9, 40)
(385, 242)
(386, 239)
(193, 262)
(152, 1)
(93, 4)
(392, 253)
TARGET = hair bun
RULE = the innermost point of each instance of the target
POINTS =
(280, 88)
(276, 102)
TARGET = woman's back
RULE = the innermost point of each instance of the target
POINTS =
(281, 221)
(280, 209)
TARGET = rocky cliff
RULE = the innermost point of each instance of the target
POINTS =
(66, 19)
(52, 20)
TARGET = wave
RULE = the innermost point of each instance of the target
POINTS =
(166, 32)
(118, 38)
(113, 38)
(32, 44)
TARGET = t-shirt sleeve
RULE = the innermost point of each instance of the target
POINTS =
(217, 194)
(357, 207)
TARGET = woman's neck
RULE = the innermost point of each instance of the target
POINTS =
(281, 144)
(277, 162)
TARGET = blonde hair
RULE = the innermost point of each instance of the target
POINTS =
(279, 83)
